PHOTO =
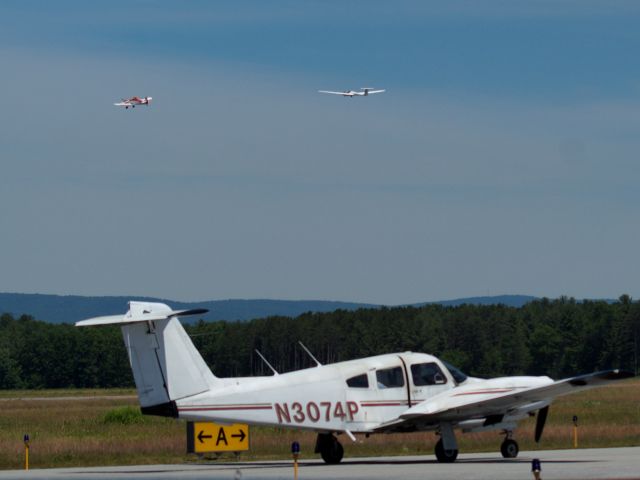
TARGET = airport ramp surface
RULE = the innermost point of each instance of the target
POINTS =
(603, 463)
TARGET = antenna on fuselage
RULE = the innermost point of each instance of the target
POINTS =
(267, 362)
(310, 354)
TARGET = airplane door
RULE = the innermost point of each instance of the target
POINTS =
(426, 380)
(381, 395)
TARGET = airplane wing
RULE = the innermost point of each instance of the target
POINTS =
(475, 401)
(376, 91)
(346, 94)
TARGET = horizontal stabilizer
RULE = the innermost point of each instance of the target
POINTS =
(141, 312)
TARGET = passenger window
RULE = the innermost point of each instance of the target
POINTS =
(390, 378)
(359, 381)
(427, 374)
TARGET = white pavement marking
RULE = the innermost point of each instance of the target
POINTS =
(602, 463)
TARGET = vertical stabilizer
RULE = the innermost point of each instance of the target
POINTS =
(166, 365)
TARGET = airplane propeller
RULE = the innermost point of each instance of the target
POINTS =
(540, 421)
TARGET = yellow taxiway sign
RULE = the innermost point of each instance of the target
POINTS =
(210, 437)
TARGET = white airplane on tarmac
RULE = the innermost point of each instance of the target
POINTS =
(398, 392)
(364, 92)
(133, 101)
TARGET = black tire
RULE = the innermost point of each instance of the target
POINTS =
(445, 456)
(509, 448)
(332, 452)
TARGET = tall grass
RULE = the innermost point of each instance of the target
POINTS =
(95, 429)
(127, 415)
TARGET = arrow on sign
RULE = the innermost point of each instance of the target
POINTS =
(201, 435)
(241, 435)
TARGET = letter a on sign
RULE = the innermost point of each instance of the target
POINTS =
(222, 438)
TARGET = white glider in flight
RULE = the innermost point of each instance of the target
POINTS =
(363, 92)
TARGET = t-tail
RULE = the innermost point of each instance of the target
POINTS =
(166, 365)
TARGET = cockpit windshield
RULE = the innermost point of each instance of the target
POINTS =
(457, 375)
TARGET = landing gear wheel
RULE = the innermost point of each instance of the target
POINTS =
(445, 456)
(509, 448)
(329, 448)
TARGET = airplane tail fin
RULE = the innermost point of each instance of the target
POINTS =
(166, 365)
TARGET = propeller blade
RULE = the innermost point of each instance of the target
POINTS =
(540, 421)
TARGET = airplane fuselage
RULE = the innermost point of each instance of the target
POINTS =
(132, 102)
(356, 396)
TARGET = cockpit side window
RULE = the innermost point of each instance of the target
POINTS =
(390, 377)
(359, 381)
(427, 374)
(457, 375)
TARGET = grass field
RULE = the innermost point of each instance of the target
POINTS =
(103, 427)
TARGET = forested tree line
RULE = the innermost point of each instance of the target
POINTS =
(558, 338)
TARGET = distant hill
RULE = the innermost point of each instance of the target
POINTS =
(509, 300)
(71, 308)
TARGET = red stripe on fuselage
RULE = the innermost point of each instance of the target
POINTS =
(207, 408)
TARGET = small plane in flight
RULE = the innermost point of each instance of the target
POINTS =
(397, 392)
(133, 101)
(363, 92)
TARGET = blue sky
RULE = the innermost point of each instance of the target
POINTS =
(502, 159)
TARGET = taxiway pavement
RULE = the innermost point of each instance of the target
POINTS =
(605, 463)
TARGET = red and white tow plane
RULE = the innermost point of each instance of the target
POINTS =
(133, 101)
(397, 392)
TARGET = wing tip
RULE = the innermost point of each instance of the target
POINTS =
(605, 375)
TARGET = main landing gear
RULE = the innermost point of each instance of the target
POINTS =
(329, 448)
(443, 455)
(509, 447)
(447, 448)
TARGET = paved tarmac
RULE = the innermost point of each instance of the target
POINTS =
(610, 463)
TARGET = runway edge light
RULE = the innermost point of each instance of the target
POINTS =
(26, 451)
(295, 452)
